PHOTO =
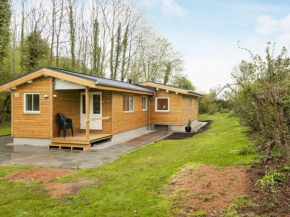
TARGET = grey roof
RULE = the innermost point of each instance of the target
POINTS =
(98, 80)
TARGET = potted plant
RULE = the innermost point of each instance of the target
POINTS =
(188, 126)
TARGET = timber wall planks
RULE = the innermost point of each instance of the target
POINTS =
(68, 103)
(174, 116)
(128, 121)
(188, 113)
(32, 125)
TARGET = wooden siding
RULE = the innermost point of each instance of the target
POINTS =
(32, 125)
(127, 121)
(68, 103)
(187, 112)
(106, 112)
(174, 116)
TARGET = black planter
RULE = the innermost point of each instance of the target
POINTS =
(188, 129)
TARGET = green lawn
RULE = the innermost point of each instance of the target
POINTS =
(5, 129)
(127, 185)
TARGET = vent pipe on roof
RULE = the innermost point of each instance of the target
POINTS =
(130, 81)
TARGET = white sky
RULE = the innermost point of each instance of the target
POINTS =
(206, 33)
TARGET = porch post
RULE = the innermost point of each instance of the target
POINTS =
(87, 113)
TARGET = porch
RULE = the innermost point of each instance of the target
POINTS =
(79, 140)
(90, 110)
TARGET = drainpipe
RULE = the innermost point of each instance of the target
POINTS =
(149, 123)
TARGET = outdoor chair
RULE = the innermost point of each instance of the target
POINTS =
(64, 123)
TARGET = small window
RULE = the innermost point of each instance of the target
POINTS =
(128, 102)
(162, 104)
(84, 104)
(190, 102)
(144, 103)
(96, 104)
(31, 103)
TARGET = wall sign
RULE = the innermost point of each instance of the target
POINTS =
(16, 94)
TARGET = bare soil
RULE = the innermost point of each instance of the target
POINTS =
(207, 188)
(42, 175)
(46, 175)
(268, 201)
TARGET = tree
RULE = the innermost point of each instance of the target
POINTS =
(183, 82)
(35, 50)
(5, 19)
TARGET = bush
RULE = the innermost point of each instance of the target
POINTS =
(272, 178)
(246, 150)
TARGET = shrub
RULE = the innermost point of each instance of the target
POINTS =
(246, 150)
(272, 178)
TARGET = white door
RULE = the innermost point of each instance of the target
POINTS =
(95, 110)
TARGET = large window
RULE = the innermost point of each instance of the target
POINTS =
(162, 104)
(31, 103)
(144, 103)
(128, 103)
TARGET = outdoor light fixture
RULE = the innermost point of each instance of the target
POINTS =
(45, 96)
(54, 96)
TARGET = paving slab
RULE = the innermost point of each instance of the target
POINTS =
(103, 153)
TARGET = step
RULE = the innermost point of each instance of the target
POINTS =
(71, 146)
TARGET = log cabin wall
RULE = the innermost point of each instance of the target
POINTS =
(174, 116)
(128, 121)
(31, 125)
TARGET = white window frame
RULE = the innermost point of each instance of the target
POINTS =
(130, 111)
(145, 103)
(168, 110)
(190, 102)
(24, 104)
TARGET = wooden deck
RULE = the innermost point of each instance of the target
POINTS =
(78, 141)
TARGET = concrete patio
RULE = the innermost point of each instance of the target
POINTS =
(103, 153)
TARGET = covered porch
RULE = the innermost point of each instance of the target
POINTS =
(90, 112)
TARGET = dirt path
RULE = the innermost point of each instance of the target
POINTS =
(206, 188)
(45, 176)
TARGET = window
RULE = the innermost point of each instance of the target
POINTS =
(84, 104)
(162, 104)
(144, 103)
(96, 104)
(128, 103)
(190, 102)
(31, 103)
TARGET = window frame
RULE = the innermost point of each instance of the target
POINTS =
(145, 103)
(130, 111)
(24, 104)
(156, 99)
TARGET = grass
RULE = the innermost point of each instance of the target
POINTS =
(127, 186)
(5, 129)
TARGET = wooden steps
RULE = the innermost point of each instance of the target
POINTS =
(78, 141)
(71, 146)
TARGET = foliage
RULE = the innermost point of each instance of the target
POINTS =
(5, 19)
(209, 103)
(261, 97)
(130, 183)
(272, 178)
(5, 129)
(245, 150)
(189, 123)
(35, 49)
(183, 82)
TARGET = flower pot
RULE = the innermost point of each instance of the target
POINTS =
(188, 129)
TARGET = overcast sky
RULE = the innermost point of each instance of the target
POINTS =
(206, 32)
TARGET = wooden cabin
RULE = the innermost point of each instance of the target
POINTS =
(100, 108)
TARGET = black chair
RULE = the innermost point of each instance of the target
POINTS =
(64, 123)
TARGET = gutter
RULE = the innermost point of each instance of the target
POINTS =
(149, 123)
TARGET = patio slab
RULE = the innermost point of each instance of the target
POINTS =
(103, 153)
